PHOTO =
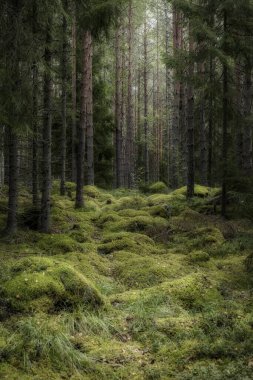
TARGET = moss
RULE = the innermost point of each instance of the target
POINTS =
(199, 191)
(158, 188)
(128, 241)
(199, 257)
(98, 194)
(152, 226)
(193, 291)
(130, 213)
(106, 216)
(58, 243)
(159, 199)
(179, 327)
(135, 202)
(46, 284)
(139, 272)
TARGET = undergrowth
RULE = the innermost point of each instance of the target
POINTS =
(136, 285)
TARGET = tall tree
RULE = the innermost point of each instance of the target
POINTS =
(64, 99)
(45, 216)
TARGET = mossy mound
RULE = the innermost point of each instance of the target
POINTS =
(135, 202)
(198, 257)
(43, 284)
(128, 241)
(158, 188)
(159, 199)
(154, 227)
(139, 272)
(199, 191)
(58, 243)
(193, 291)
(188, 220)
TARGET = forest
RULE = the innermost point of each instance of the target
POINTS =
(126, 189)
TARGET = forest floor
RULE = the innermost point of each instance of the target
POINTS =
(136, 286)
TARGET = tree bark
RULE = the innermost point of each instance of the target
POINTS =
(130, 104)
(203, 136)
(89, 108)
(247, 133)
(11, 225)
(225, 130)
(145, 79)
(45, 217)
(74, 107)
(2, 155)
(175, 116)
(210, 125)
(64, 103)
(81, 129)
(118, 124)
(35, 86)
(190, 126)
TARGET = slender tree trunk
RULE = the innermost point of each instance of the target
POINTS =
(158, 123)
(238, 118)
(138, 121)
(190, 126)
(130, 104)
(168, 90)
(225, 131)
(11, 225)
(145, 77)
(81, 129)
(175, 117)
(247, 135)
(203, 136)
(45, 221)
(123, 113)
(74, 108)
(2, 156)
(118, 124)
(35, 84)
(89, 108)
(210, 126)
(64, 103)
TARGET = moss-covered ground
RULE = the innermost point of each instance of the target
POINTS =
(134, 286)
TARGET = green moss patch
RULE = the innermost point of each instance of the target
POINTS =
(46, 284)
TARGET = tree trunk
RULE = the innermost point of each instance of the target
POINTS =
(74, 108)
(130, 104)
(190, 126)
(175, 116)
(247, 135)
(82, 129)
(145, 78)
(225, 130)
(203, 136)
(11, 225)
(35, 85)
(210, 125)
(64, 103)
(2, 156)
(168, 91)
(89, 108)
(118, 124)
(45, 222)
